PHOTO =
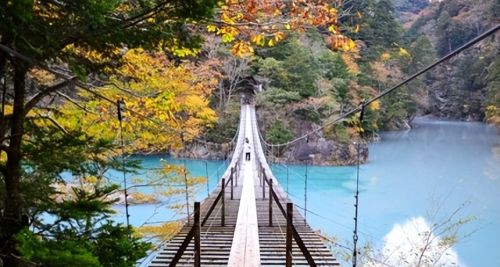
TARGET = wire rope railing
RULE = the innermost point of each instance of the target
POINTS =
(227, 178)
(276, 194)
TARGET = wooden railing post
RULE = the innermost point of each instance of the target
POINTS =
(270, 202)
(264, 180)
(237, 172)
(261, 175)
(289, 221)
(232, 177)
(223, 215)
(197, 237)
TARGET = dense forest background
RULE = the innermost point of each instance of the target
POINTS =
(306, 84)
(86, 84)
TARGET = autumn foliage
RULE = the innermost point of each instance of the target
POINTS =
(160, 100)
(246, 24)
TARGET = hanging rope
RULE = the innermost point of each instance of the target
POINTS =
(125, 189)
(356, 196)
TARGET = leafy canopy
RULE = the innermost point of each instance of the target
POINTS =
(161, 100)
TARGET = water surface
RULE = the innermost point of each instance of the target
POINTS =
(426, 174)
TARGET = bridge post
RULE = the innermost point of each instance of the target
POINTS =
(232, 177)
(289, 221)
(264, 180)
(237, 172)
(197, 237)
(261, 175)
(223, 215)
(270, 202)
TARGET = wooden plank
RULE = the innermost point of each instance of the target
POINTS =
(245, 250)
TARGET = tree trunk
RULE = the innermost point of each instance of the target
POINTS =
(3, 84)
(11, 220)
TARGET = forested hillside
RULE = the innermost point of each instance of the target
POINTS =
(466, 87)
(305, 83)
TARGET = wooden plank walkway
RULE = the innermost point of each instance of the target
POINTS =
(247, 238)
(272, 239)
(216, 240)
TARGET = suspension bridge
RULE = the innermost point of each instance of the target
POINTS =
(248, 219)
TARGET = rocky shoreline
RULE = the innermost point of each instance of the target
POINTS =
(318, 151)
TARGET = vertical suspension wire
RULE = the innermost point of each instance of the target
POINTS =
(208, 178)
(287, 181)
(122, 143)
(186, 184)
(272, 155)
(356, 196)
(187, 191)
(305, 192)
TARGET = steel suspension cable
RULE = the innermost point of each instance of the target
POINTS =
(397, 86)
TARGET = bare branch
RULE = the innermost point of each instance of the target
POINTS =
(74, 102)
(45, 92)
(52, 120)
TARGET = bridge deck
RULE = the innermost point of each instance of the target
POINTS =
(272, 239)
(216, 240)
(247, 239)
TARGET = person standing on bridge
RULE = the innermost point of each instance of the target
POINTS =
(248, 148)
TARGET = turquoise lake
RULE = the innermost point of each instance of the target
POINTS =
(427, 172)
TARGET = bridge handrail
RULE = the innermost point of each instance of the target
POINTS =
(274, 194)
(238, 150)
(260, 153)
(295, 233)
(228, 173)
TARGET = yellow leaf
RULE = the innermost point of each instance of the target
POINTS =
(349, 45)
(225, 18)
(385, 56)
(227, 38)
(242, 49)
(258, 39)
(3, 156)
(279, 36)
(403, 52)
(91, 179)
(287, 26)
(211, 28)
(271, 42)
(332, 29)
(375, 105)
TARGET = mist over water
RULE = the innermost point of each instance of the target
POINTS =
(413, 179)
